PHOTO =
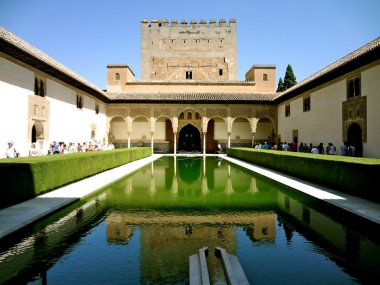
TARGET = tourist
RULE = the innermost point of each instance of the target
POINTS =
(350, 150)
(343, 149)
(33, 151)
(285, 146)
(265, 146)
(314, 150)
(321, 149)
(11, 152)
(330, 149)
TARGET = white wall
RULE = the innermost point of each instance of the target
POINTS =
(67, 123)
(241, 129)
(322, 123)
(16, 85)
(371, 88)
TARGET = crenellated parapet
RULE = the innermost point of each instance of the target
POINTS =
(155, 23)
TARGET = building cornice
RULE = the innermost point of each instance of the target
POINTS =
(17, 48)
(356, 59)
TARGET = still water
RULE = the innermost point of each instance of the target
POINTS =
(143, 228)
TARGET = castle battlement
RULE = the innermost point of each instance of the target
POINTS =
(155, 23)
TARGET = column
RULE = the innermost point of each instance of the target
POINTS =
(229, 140)
(253, 140)
(129, 140)
(151, 141)
(204, 143)
(175, 143)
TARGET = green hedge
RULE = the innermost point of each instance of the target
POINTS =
(352, 175)
(27, 177)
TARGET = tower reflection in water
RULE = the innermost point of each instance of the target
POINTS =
(144, 227)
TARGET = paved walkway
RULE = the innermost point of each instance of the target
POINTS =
(361, 207)
(18, 216)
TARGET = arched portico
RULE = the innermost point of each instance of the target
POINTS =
(117, 130)
(159, 125)
(241, 132)
(265, 131)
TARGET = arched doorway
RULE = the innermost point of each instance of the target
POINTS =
(34, 134)
(354, 137)
(37, 132)
(189, 139)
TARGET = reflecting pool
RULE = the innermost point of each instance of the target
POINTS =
(143, 228)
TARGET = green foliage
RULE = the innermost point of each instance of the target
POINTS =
(289, 79)
(27, 177)
(351, 175)
(280, 86)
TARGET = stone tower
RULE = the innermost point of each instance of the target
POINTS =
(198, 51)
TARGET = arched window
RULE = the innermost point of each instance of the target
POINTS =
(117, 76)
(189, 116)
(265, 77)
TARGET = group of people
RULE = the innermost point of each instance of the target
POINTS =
(62, 147)
(59, 148)
(330, 149)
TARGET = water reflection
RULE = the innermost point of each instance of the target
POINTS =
(192, 177)
(168, 239)
(144, 227)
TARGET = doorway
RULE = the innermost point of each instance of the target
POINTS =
(189, 139)
(354, 137)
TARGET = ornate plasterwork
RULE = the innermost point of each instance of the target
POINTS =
(354, 110)
(38, 116)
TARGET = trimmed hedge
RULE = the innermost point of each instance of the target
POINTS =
(24, 178)
(352, 175)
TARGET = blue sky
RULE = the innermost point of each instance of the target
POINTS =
(85, 36)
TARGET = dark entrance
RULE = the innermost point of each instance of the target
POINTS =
(354, 137)
(34, 134)
(189, 139)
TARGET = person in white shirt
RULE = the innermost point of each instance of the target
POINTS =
(314, 150)
(11, 151)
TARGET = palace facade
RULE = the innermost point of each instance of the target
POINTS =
(188, 98)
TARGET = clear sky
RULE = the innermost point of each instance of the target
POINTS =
(86, 35)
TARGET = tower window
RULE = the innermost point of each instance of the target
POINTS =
(220, 72)
(265, 77)
(189, 75)
(117, 76)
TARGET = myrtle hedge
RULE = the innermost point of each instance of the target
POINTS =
(352, 175)
(23, 178)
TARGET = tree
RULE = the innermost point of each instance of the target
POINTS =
(280, 86)
(289, 79)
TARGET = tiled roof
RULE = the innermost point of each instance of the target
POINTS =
(200, 97)
(9, 41)
(192, 82)
(371, 46)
